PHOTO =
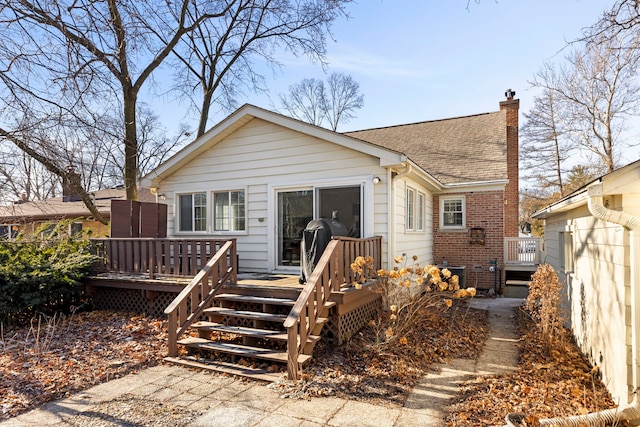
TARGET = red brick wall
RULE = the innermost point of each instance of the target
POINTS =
(511, 215)
(483, 209)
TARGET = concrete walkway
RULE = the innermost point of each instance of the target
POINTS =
(222, 401)
(499, 355)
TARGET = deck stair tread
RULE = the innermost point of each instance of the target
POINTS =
(241, 350)
(255, 299)
(268, 317)
(245, 331)
(225, 367)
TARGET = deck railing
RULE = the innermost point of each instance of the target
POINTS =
(330, 274)
(156, 256)
(198, 295)
(522, 250)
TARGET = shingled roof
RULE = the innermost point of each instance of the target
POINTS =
(56, 208)
(458, 150)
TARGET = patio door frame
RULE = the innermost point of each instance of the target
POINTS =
(366, 210)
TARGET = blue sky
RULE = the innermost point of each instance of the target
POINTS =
(419, 60)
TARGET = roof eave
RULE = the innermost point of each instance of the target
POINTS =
(248, 112)
(573, 201)
(489, 185)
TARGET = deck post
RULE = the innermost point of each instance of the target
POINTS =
(173, 334)
(292, 350)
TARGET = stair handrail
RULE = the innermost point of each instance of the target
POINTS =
(307, 310)
(331, 272)
(220, 269)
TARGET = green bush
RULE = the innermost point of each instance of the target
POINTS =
(42, 275)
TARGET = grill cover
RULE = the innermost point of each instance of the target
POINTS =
(315, 238)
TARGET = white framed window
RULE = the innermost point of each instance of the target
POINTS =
(192, 211)
(75, 229)
(9, 231)
(565, 243)
(411, 209)
(415, 215)
(420, 209)
(229, 211)
(48, 230)
(452, 212)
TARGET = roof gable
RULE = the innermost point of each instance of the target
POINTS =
(244, 115)
(457, 150)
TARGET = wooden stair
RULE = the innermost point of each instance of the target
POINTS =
(243, 333)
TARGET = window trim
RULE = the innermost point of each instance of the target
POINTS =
(567, 253)
(410, 209)
(463, 199)
(415, 212)
(213, 211)
(420, 211)
(77, 233)
(10, 229)
(193, 219)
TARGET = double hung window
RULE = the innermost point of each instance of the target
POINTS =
(229, 211)
(415, 215)
(193, 212)
(452, 212)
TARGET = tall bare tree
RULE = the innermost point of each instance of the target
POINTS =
(313, 102)
(598, 92)
(306, 101)
(545, 147)
(623, 16)
(343, 99)
(78, 55)
(219, 56)
(67, 62)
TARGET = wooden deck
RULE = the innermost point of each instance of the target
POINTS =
(167, 283)
(269, 318)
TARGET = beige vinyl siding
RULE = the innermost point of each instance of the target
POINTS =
(418, 243)
(259, 155)
(596, 291)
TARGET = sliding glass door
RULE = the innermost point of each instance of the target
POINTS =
(345, 202)
(296, 208)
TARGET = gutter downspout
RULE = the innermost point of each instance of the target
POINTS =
(392, 213)
(631, 413)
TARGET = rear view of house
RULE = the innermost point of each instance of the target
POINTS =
(445, 191)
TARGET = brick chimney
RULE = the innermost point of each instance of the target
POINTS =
(511, 197)
(68, 193)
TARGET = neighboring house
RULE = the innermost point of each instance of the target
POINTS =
(29, 216)
(445, 191)
(592, 239)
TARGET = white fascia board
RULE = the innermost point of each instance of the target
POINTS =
(494, 185)
(246, 113)
(387, 157)
(575, 201)
(419, 174)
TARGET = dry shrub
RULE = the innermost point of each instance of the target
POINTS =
(543, 305)
(409, 293)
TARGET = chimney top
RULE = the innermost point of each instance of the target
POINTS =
(510, 94)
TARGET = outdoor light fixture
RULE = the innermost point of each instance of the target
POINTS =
(162, 196)
(376, 180)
